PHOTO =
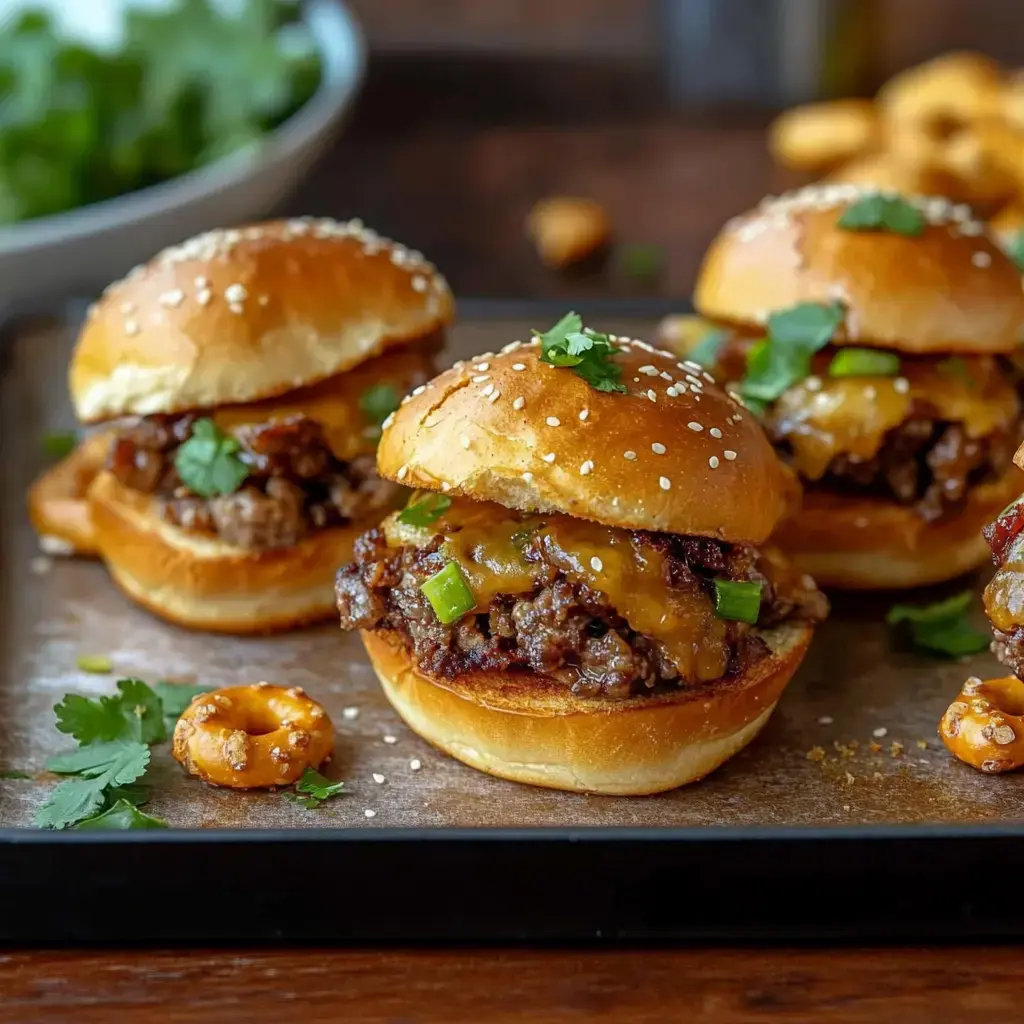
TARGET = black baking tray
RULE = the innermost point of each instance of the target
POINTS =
(673, 879)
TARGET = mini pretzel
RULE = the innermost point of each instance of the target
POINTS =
(56, 501)
(252, 737)
(984, 726)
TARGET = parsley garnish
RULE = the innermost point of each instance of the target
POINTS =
(114, 734)
(1015, 249)
(423, 510)
(586, 352)
(175, 698)
(378, 403)
(59, 445)
(883, 213)
(783, 358)
(313, 789)
(941, 628)
(208, 462)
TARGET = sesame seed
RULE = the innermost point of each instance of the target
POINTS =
(715, 433)
(550, 457)
(596, 564)
(664, 483)
(694, 425)
(390, 418)
(378, 778)
(390, 740)
(445, 486)
(707, 376)
(901, 385)
(480, 379)
(636, 380)
(349, 713)
(518, 403)
(235, 293)
(419, 283)
(651, 395)
(813, 383)
(494, 397)
(465, 442)
(553, 421)
(131, 328)
(690, 379)
(201, 282)
(730, 455)
(658, 448)
(879, 732)
(370, 812)
(236, 307)
(981, 259)
(629, 455)
(487, 390)
(586, 467)
(671, 392)
(402, 473)
(482, 367)
(584, 413)
(203, 297)
(651, 371)
(528, 477)
(173, 298)
(519, 366)
(689, 364)
(419, 390)
(696, 389)
(415, 764)
(713, 462)
(665, 375)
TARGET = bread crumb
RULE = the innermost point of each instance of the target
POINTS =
(895, 749)
(816, 754)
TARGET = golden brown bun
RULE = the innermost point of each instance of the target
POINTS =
(56, 501)
(455, 435)
(818, 136)
(234, 316)
(529, 729)
(203, 583)
(950, 289)
(871, 544)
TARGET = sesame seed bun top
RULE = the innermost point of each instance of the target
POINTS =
(674, 454)
(949, 289)
(249, 313)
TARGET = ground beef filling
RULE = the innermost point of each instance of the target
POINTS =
(924, 463)
(562, 629)
(1004, 595)
(295, 484)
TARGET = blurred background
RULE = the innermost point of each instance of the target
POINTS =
(444, 122)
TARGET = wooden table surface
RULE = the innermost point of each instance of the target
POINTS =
(448, 157)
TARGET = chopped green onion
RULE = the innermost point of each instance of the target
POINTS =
(423, 510)
(738, 601)
(97, 664)
(449, 594)
(864, 362)
(59, 445)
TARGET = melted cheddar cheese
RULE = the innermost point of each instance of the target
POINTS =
(487, 541)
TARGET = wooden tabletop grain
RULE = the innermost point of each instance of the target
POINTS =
(448, 157)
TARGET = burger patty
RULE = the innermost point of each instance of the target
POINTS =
(295, 484)
(562, 629)
(925, 463)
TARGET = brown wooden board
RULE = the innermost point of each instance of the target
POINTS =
(854, 684)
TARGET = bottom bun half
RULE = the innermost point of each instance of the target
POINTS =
(529, 729)
(851, 543)
(202, 583)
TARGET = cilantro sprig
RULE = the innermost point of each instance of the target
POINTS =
(424, 509)
(104, 773)
(783, 357)
(941, 628)
(208, 462)
(313, 789)
(877, 212)
(586, 352)
(378, 403)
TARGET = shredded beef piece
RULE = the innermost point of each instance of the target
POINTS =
(295, 484)
(561, 629)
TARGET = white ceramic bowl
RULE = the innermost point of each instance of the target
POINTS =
(80, 251)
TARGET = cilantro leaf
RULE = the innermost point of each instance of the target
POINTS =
(783, 358)
(135, 793)
(59, 445)
(876, 212)
(98, 766)
(135, 713)
(208, 462)
(1015, 249)
(941, 628)
(313, 789)
(122, 815)
(423, 510)
(586, 352)
(176, 697)
(378, 403)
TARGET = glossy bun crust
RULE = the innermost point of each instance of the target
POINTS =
(675, 454)
(535, 731)
(873, 544)
(243, 314)
(950, 289)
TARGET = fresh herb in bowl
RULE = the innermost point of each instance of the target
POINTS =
(188, 84)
